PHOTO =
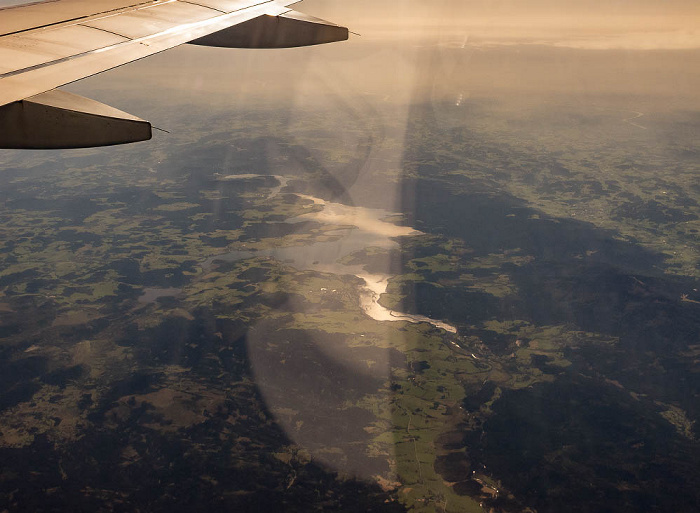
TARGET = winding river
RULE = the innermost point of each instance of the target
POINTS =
(362, 228)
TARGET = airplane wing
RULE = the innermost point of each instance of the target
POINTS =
(49, 44)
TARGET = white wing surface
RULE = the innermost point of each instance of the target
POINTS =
(46, 45)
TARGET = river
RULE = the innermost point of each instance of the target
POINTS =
(366, 228)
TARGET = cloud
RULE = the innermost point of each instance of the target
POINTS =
(660, 40)
(680, 40)
(582, 24)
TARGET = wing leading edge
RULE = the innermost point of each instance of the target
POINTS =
(74, 39)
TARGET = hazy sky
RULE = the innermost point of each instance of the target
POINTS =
(595, 24)
(401, 39)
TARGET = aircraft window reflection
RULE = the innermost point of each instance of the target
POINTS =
(449, 265)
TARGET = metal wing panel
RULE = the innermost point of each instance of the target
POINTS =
(43, 46)
(226, 6)
(11, 58)
(152, 20)
(19, 84)
(27, 17)
(76, 37)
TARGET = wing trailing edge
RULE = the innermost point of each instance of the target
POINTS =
(53, 43)
(288, 30)
(60, 120)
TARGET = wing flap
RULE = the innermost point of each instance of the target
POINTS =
(287, 30)
(26, 17)
(152, 20)
(59, 120)
(226, 6)
(45, 46)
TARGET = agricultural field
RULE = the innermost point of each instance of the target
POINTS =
(187, 324)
